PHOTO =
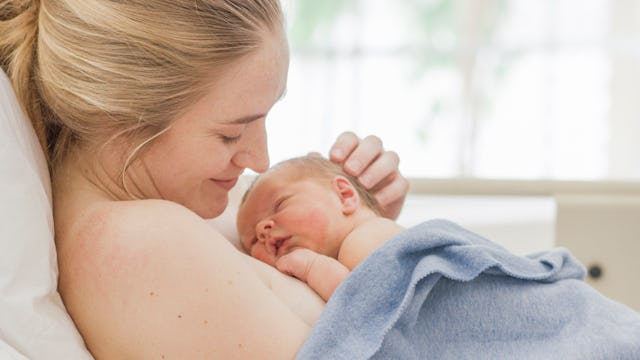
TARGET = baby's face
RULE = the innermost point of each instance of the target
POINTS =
(279, 215)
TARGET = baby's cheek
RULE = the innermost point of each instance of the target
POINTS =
(317, 221)
(262, 255)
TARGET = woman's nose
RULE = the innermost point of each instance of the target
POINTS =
(254, 154)
(259, 161)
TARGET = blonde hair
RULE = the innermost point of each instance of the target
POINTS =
(319, 168)
(89, 71)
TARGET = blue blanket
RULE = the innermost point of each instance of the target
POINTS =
(438, 291)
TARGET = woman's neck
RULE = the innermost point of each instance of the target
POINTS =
(96, 172)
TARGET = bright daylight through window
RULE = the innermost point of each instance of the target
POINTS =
(481, 88)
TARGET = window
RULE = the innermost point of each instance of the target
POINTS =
(479, 88)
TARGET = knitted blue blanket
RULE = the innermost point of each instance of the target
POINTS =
(438, 291)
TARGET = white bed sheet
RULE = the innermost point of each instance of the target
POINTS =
(521, 224)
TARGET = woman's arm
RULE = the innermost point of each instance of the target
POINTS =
(150, 279)
(322, 273)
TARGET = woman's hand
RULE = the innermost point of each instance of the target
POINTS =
(375, 168)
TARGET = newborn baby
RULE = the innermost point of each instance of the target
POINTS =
(309, 219)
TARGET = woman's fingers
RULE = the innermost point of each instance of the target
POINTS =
(359, 153)
(392, 195)
(364, 155)
(343, 147)
(375, 168)
(383, 167)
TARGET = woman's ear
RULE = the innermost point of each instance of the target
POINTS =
(347, 193)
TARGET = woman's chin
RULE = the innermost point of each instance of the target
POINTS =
(213, 208)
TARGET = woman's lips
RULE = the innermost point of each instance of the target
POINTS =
(226, 184)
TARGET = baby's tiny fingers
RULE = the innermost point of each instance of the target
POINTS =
(296, 263)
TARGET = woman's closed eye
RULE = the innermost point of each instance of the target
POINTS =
(228, 140)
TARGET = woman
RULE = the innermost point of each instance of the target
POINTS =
(149, 112)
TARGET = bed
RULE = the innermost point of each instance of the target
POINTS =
(597, 221)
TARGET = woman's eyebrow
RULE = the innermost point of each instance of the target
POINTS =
(246, 119)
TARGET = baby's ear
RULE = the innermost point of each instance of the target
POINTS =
(348, 194)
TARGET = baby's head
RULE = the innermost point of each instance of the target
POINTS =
(306, 202)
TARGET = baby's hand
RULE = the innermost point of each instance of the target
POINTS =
(322, 273)
(297, 263)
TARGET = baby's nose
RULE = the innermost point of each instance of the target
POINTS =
(263, 229)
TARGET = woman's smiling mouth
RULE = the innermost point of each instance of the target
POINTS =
(226, 184)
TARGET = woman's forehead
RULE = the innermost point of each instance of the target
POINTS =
(247, 87)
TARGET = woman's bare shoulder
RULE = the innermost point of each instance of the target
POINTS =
(127, 232)
(167, 284)
(118, 231)
(140, 217)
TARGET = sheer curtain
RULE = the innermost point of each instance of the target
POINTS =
(468, 88)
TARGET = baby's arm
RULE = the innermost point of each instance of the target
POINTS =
(322, 273)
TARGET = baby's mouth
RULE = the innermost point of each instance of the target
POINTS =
(280, 245)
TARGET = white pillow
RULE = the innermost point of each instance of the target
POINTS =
(33, 321)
